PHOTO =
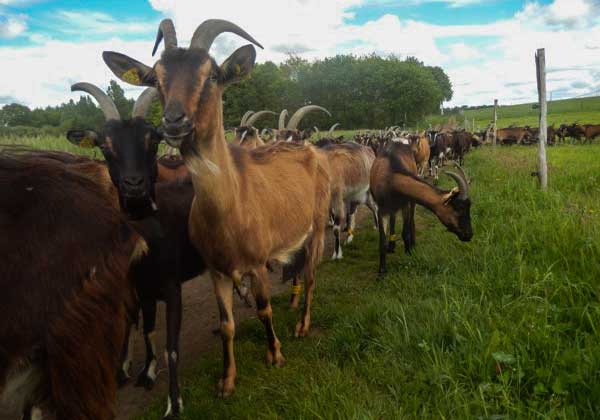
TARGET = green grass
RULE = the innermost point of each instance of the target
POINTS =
(583, 110)
(503, 327)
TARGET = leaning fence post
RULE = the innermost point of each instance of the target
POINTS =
(540, 64)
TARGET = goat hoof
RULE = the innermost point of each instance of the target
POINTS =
(275, 358)
(145, 381)
(301, 329)
(122, 378)
(226, 387)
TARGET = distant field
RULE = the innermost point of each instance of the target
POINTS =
(504, 327)
(584, 110)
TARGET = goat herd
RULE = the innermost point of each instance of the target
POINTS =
(86, 245)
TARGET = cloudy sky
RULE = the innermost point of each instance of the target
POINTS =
(486, 46)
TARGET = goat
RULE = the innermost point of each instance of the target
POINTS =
(171, 258)
(250, 206)
(440, 146)
(64, 252)
(349, 167)
(420, 146)
(462, 144)
(395, 186)
(246, 135)
(290, 132)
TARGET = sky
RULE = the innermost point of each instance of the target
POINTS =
(487, 47)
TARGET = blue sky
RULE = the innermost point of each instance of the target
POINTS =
(486, 46)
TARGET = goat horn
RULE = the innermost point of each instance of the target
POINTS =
(282, 118)
(462, 184)
(245, 117)
(166, 30)
(205, 34)
(299, 114)
(107, 105)
(333, 127)
(250, 121)
(462, 172)
(143, 102)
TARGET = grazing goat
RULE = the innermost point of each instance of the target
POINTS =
(64, 252)
(171, 258)
(246, 135)
(395, 186)
(250, 207)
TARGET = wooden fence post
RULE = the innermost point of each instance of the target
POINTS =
(540, 64)
(495, 122)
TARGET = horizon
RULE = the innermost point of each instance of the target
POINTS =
(486, 47)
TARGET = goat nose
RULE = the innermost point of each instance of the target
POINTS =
(173, 117)
(133, 181)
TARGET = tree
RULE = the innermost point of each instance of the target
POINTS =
(15, 114)
(443, 82)
(117, 94)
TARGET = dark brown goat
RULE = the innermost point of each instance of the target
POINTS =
(64, 252)
(396, 186)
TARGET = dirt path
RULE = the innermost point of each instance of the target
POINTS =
(200, 316)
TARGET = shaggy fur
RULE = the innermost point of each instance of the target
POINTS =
(64, 252)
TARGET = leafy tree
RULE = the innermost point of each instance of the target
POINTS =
(15, 114)
(117, 94)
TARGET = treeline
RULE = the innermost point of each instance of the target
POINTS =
(361, 92)
(19, 120)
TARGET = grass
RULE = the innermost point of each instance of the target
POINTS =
(583, 110)
(503, 327)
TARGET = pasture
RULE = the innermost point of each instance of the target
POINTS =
(502, 327)
(580, 110)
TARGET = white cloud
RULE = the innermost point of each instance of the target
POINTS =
(97, 23)
(503, 69)
(12, 26)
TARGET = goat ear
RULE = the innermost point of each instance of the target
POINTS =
(83, 138)
(129, 70)
(239, 64)
(450, 195)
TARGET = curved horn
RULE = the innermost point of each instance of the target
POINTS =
(299, 114)
(333, 127)
(462, 184)
(107, 105)
(250, 121)
(166, 30)
(462, 172)
(245, 117)
(282, 118)
(205, 34)
(143, 102)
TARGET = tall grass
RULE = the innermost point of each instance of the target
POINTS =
(503, 327)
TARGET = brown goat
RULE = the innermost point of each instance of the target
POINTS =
(64, 252)
(246, 135)
(420, 146)
(249, 207)
(395, 186)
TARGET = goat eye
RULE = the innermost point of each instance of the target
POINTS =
(213, 78)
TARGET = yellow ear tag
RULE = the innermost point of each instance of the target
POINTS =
(393, 238)
(297, 289)
(131, 76)
(86, 143)
(238, 70)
